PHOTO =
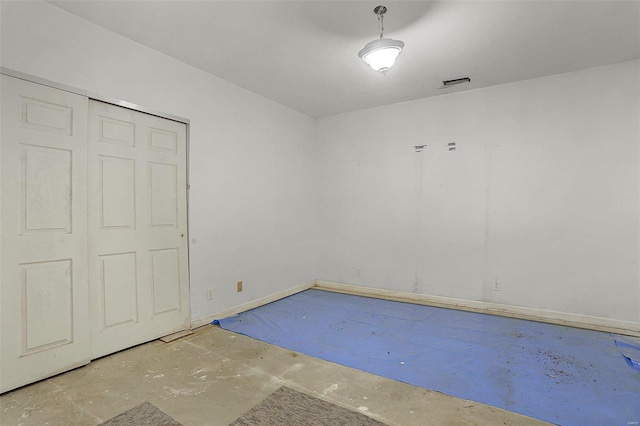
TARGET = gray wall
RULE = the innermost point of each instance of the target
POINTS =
(541, 194)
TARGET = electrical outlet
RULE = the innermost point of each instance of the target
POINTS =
(496, 285)
(239, 286)
(358, 272)
(210, 294)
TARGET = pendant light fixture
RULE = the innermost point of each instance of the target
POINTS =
(381, 54)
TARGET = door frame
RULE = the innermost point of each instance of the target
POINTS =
(131, 106)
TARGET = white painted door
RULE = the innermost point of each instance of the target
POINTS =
(138, 261)
(43, 223)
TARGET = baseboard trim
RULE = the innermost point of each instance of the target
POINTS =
(553, 317)
(199, 322)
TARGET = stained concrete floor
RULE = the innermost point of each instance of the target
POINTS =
(214, 376)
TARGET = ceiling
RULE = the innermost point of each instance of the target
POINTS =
(303, 54)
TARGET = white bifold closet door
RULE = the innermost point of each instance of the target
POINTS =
(44, 327)
(93, 230)
(138, 262)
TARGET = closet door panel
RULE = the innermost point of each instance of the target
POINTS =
(44, 321)
(138, 264)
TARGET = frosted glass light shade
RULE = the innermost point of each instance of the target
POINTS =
(381, 54)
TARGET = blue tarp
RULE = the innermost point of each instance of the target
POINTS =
(630, 351)
(558, 374)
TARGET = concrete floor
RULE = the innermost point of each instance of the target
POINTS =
(214, 376)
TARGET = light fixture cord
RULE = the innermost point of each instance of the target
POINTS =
(381, 23)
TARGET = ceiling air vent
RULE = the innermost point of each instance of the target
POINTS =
(455, 82)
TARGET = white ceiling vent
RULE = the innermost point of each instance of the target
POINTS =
(455, 82)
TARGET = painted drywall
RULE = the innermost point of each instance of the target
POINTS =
(540, 195)
(251, 213)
